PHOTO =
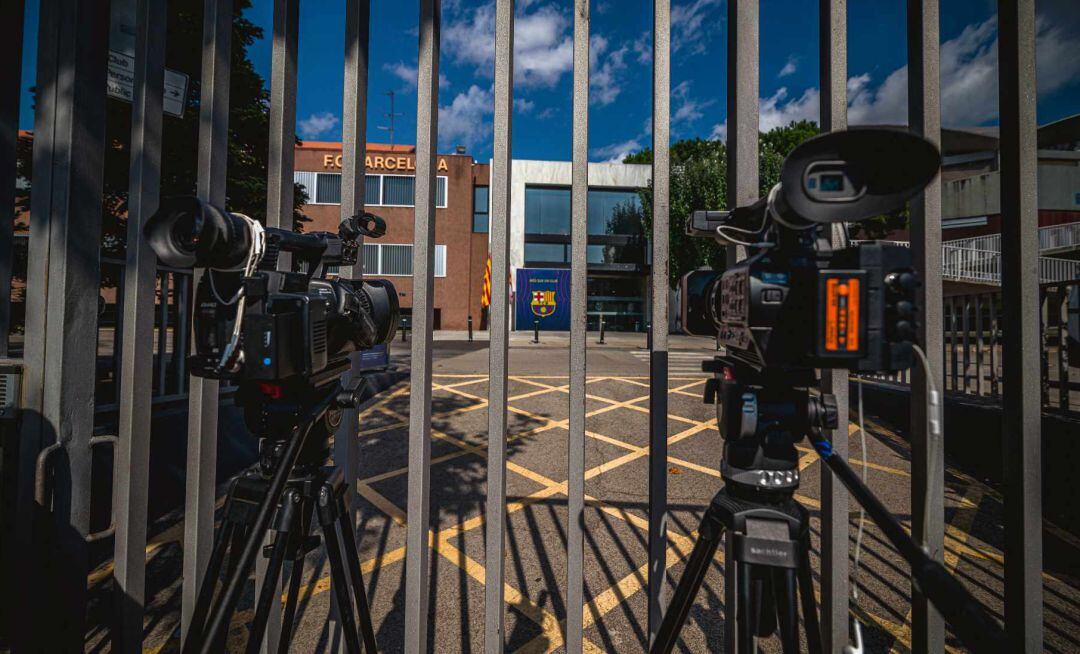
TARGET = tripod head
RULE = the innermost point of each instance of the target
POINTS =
(762, 413)
(274, 411)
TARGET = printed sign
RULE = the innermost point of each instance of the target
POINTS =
(543, 295)
(120, 82)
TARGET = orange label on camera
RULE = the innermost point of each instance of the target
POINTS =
(842, 315)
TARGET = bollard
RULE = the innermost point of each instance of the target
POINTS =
(648, 336)
(470, 329)
(536, 331)
(601, 329)
(404, 331)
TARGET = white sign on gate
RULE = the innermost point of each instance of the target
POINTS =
(120, 83)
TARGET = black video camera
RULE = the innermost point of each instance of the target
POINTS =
(797, 302)
(253, 322)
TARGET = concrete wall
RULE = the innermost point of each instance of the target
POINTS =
(980, 195)
(558, 173)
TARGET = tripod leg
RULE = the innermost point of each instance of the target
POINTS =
(268, 595)
(352, 561)
(786, 612)
(731, 597)
(697, 566)
(339, 579)
(209, 581)
(806, 594)
(290, 605)
(743, 581)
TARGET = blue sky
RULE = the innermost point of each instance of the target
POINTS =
(621, 70)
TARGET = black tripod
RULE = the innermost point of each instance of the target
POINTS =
(767, 532)
(764, 414)
(290, 485)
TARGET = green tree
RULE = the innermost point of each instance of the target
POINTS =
(248, 146)
(699, 181)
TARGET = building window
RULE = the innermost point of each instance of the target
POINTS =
(546, 253)
(547, 210)
(373, 189)
(328, 189)
(398, 191)
(614, 213)
(481, 197)
(396, 260)
(379, 190)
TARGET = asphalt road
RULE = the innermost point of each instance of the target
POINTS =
(615, 542)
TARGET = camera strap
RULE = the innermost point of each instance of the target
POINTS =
(231, 356)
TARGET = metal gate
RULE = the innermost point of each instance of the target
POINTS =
(58, 363)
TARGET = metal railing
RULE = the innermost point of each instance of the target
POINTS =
(973, 350)
(978, 259)
(65, 219)
(1051, 237)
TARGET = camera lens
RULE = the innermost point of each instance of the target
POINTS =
(186, 232)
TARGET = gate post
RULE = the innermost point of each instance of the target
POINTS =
(200, 492)
(61, 314)
(834, 497)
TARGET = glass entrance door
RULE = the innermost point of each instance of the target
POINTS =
(620, 300)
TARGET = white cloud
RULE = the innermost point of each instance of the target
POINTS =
(543, 46)
(777, 110)
(604, 70)
(693, 24)
(643, 48)
(969, 88)
(407, 74)
(616, 152)
(465, 120)
(687, 108)
(317, 124)
(523, 106)
(719, 132)
(789, 68)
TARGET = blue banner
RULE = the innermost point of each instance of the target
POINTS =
(543, 295)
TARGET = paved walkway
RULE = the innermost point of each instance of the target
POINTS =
(615, 547)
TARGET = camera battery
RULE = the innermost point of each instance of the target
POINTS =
(841, 323)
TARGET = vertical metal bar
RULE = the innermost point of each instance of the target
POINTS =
(181, 332)
(1019, 302)
(62, 304)
(11, 44)
(279, 195)
(927, 457)
(658, 359)
(134, 379)
(499, 325)
(1060, 306)
(979, 345)
(965, 326)
(427, 115)
(742, 109)
(579, 192)
(834, 498)
(162, 328)
(952, 342)
(993, 347)
(203, 397)
(354, 146)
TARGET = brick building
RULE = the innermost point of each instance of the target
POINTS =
(461, 200)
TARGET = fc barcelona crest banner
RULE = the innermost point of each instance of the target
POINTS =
(543, 295)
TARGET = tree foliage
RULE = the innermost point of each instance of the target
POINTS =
(699, 181)
(248, 143)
